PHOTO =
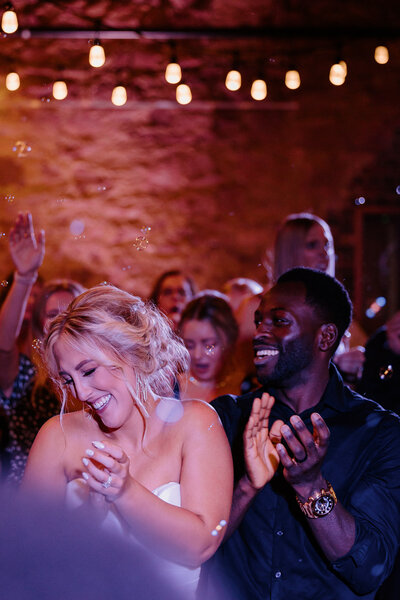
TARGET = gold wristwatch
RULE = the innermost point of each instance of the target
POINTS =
(319, 504)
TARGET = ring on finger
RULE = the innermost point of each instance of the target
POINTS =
(106, 484)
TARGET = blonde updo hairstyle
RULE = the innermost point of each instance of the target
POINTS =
(121, 329)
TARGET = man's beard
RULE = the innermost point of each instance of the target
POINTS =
(294, 357)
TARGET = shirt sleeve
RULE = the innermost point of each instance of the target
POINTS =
(375, 505)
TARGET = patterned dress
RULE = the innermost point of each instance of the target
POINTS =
(25, 415)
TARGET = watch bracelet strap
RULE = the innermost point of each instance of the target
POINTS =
(306, 507)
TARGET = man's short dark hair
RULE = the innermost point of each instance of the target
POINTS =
(324, 293)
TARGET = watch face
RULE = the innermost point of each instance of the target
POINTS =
(323, 505)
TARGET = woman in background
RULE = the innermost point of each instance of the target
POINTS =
(209, 331)
(171, 292)
(26, 400)
(303, 240)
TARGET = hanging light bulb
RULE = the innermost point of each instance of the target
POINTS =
(119, 95)
(60, 90)
(381, 55)
(9, 20)
(337, 74)
(12, 82)
(183, 94)
(173, 72)
(97, 56)
(233, 80)
(258, 89)
(292, 79)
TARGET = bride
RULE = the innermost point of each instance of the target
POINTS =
(157, 469)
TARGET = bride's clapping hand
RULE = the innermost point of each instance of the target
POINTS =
(107, 469)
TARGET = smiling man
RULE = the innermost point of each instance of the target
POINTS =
(316, 510)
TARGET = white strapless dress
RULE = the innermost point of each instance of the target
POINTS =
(182, 577)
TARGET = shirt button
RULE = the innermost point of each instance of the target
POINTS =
(278, 574)
(279, 532)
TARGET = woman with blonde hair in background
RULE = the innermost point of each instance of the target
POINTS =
(303, 240)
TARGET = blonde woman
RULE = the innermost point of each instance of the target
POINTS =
(156, 469)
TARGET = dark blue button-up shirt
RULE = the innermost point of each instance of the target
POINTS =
(273, 554)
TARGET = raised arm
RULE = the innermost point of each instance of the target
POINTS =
(27, 254)
(189, 534)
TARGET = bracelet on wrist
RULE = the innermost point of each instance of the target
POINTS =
(25, 279)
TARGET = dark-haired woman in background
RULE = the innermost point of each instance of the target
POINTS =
(209, 330)
(171, 292)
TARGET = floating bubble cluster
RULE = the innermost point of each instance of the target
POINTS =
(4, 283)
(21, 148)
(44, 99)
(210, 349)
(141, 243)
(61, 200)
(218, 528)
(375, 307)
(101, 188)
(10, 198)
(36, 344)
(386, 372)
(127, 268)
(2, 234)
(359, 201)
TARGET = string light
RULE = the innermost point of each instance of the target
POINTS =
(12, 82)
(60, 90)
(381, 55)
(97, 56)
(9, 20)
(292, 79)
(119, 95)
(183, 94)
(337, 74)
(173, 72)
(258, 89)
(233, 80)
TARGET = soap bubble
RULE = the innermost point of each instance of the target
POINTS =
(210, 349)
(140, 243)
(44, 99)
(4, 283)
(359, 201)
(398, 190)
(10, 198)
(21, 148)
(77, 227)
(36, 344)
(145, 229)
(386, 373)
(101, 188)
